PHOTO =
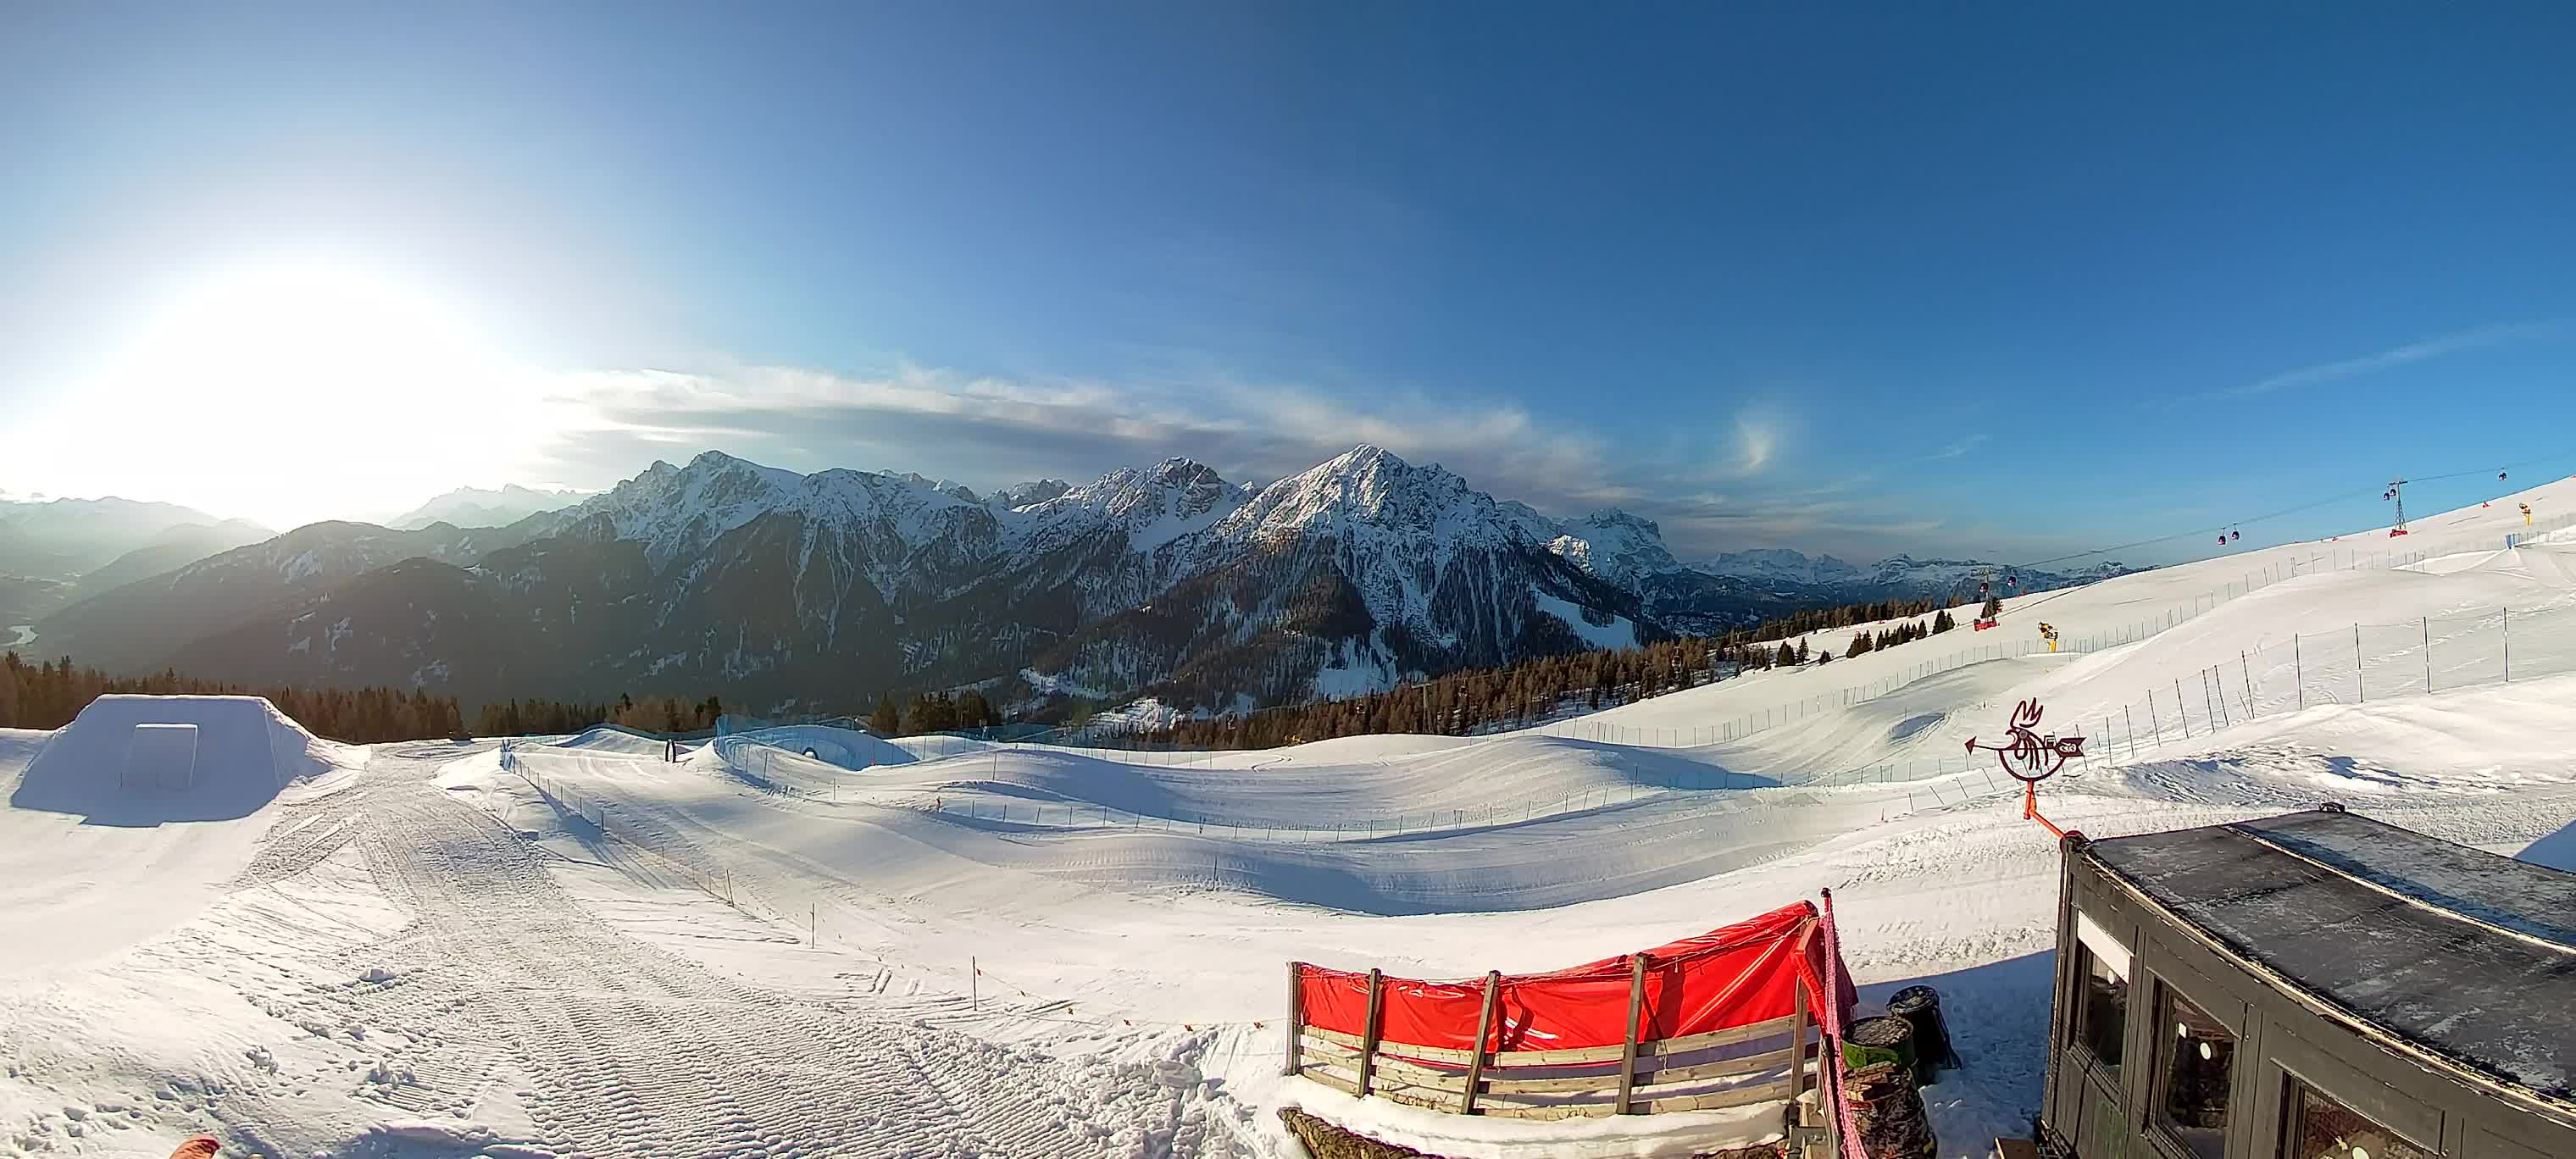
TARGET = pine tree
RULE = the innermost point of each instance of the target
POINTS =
(885, 721)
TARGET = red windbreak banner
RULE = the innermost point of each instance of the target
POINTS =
(1734, 976)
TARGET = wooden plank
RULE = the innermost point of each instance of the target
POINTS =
(1636, 1019)
(1438, 1054)
(1484, 1032)
(1567, 1111)
(1798, 1037)
(1420, 1075)
(1334, 1036)
(1726, 1037)
(1739, 1097)
(1296, 1010)
(1411, 1098)
(1326, 1048)
(1403, 1049)
(1607, 1080)
(1383, 1085)
(1704, 1072)
(1666, 1078)
(1337, 1082)
(1571, 1057)
(1368, 1034)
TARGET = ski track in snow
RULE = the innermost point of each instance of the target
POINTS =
(633, 1051)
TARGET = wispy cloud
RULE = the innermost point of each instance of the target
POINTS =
(2479, 338)
(1954, 449)
(1755, 439)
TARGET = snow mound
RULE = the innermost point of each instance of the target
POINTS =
(605, 739)
(90, 865)
(937, 746)
(845, 747)
(247, 752)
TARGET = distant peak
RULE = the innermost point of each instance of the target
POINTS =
(1186, 471)
(1367, 455)
(1613, 517)
(1034, 491)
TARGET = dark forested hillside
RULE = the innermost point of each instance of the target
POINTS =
(49, 693)
(1532, 691)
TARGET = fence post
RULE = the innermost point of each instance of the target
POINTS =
(2427, 622)
(1636, 1012)
(2360, 693)
(1368, 1040)
(2152, 722)
(2129, 722)
(2246, 670)
(1484, 1029)
(1296, 1017)
(2298, 672)
(2179, 714)
(2508, 645)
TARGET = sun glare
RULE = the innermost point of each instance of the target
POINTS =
(304, 392)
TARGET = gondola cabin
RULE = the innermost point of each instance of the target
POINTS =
(2311, 986)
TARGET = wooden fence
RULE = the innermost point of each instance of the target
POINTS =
(1735, 1067)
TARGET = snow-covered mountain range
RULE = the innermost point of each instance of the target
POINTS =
(783, 591)
(478, 507)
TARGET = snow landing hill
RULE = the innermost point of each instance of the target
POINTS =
(1355, 574)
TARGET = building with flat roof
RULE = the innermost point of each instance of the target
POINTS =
(2312, 986)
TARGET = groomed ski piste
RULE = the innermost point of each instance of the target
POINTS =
(967, 949)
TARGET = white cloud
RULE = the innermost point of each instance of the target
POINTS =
(2475, 339)
(1755, 440)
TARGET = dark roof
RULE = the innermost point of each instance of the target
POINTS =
(2467, 954)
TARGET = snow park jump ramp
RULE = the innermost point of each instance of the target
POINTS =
(90, 864)
(245, 753)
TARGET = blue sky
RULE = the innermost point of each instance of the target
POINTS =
(1997, 280)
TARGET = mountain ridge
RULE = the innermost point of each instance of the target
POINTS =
(1355, 574)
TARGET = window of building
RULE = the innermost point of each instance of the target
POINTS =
(2102, 1005)
(2321, 1128)
(2197, 1053)
(2102, 1017)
